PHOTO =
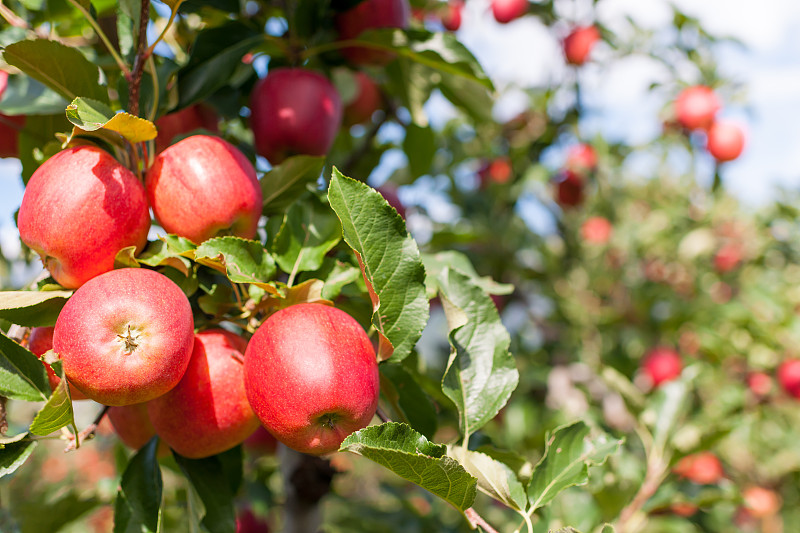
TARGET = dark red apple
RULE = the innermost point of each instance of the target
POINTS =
(10, 126)
(579, 43)
(789, 377)
(40, 341)
(185, 121)
(505, 11)
(370, 15)
(703, 468)
(294, 111)
(203, 187)
(696, 107)
(451, 15)
(596, 230)
(725, 140)
(79, 209)
(389, 193)
(368, 100)
(207, 412)
(125, 336)
(661, 365)
(569, 189)
(312, 377)
(247, 522)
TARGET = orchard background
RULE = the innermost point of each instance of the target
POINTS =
(521, 383)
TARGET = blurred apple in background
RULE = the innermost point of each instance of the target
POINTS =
(185, 121)
(579, 43)
(40, 341)
(661, 365)
(368, 99)
(596, 230)
(581, 159)
(505, 11)
(569, 189)
(703, 468)
(10, 126)
(789, 377)
(451, 15)
(368, 15)
(696, 107)
(725, 140)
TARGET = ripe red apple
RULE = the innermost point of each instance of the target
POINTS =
(312, 377)
(261, 442)
(369, 15)
(40, 341)
(696, 106)
(761, 502)
(294, 111)
(505, 11)
(703, 468)
(132, 425)
(759, 383)
(181, 122)
(125, 336)
(498, 171)
(202, 187)
(596, 230)
(661, 365)
(10, 126)
(789, 377)
(247, 522)
(389, 193)
(581, 159)
(725, 140)
(79, 209)
(727, 257)
(207, 412)
(451, 15)
(368, 100)
(569, 189)
(579, 43)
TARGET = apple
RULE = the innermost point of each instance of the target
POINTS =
(696, 106)
(579, 43)
(684, 509)
(451, 15)
(725, 140)
(703, 468)
(789, 377)
(40, 341)
(368, 99)
(125, 336)
(581, 159)
(505, 11)
(389, 193)
(202, 187)
(370, 15)
(727, 258)
(132, 425)
(596, 230)
(79, 209)
(498, 170)
(661, 365)
(185, 121)
(10, 126)
(761, 502)
(207, 412)
(261, 442)
(312, 377)
(248, 522)
(759, 383)
(294, 111)
(569, 189)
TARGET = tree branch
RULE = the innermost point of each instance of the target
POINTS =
(142, 53)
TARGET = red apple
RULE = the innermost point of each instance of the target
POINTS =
(789, 377)
(696, 106)
(125, 336)
(389, 193)
(581, 159)
(579, 43)
(247, 522)
(261, 442)
(761, 502)
(451, 15)
(40, 341)
(759, 383)
(10, 126)
(294, 111)
(202, 187)
(79, 209)
(684, 509)
(498, 171)
(727, 257)
(596, 230)
(569, 189)
(505, 11)
(185, 121)
(370, 15)
(725, 140)
(368, 100)
(312, 377)
(661, 365)
(132, 425)
(207, 412)
(703, 468)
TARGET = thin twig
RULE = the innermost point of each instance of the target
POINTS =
(172, 15)
(87, 433)
(382, 415)
(142, 53)
(477, 520)
(12, 17)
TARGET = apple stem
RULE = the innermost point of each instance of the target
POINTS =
(130, 341)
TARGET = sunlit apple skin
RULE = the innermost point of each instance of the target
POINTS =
(367, 101)
(80, 208)
(579, 43)
(10, 126)
(40, 341)
(294, 111)
(125, 336)
(725, 140)
(505, 11)
(312, 377)
(451, 16)
(703, 468)
(369, 15)
(789, 377)
(202, 187)
(696, 106)
(661, 365)
(181, 122)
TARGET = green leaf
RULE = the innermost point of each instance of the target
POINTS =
(436, 263)
(481, 373)
(336, 275)
(32, 308)
(60, 67)
(26, 96)
(569, 451)
(286, 182)
(63, 510)
(92, 115)
(13, 455)
(420, 147)
(139, 497)
(408, 398)
(471, 96)
(389, 259)
(669, 404)
(162, 253)
(22, 375)
(208, 479)
(56, 413)
(309, 231)
(495, 478)
(411, 456)
(243, 261)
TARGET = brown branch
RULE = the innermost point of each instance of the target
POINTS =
(142, 52)
(88, 432)
(656, 472)
(477, 520)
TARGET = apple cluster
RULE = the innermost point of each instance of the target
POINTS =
(696, 109)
